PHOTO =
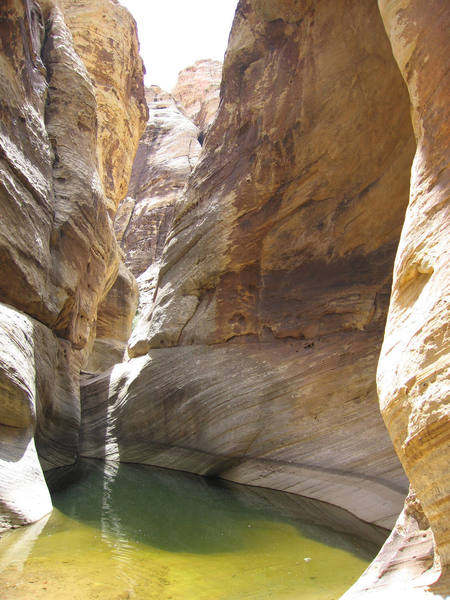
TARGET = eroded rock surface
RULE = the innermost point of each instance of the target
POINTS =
(23, 494)
(257, 360)
(58, 252)
(198, 91)
(259, 414)
(276, 273)
(404, 566)
(114, 322)
(414, 368)
(167, 154)
(105, 38)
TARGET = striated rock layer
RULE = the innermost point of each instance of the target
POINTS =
(275, 277)
(414, 368)
(58, 253)
(167, 153)
(404, 566)
(105, 37)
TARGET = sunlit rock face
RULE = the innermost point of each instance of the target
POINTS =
(414, 369)
(198, 91)
(167, 154)
(23, 494)
(404, 566)
(58, 252)
(259, 356)
(104, 35)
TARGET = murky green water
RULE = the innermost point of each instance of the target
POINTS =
(130, 531)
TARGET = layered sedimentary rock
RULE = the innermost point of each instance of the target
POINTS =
(167, 153)
(275, 277)
(198, 91)
(23, 494)
(105, 38)
(414, 369)
(58, 253)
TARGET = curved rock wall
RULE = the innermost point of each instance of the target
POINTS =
(414, 369)
(257, 360)
(58, 252)
(275, 277)
(105, 38)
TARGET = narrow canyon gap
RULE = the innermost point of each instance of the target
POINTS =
(266, 284)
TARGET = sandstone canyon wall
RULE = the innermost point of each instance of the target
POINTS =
(257, 361)
(166, 155)
(413, 371)
(258, 357)
(265, 283)
(414, 368)
(198, 92)
(58, 252)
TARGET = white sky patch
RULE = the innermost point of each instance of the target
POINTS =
(173, 34)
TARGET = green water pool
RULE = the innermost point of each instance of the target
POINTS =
(121, 531)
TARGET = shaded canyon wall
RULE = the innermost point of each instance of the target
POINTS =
(58, 253)
(265, 283)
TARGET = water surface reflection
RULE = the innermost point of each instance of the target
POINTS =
(130, 531)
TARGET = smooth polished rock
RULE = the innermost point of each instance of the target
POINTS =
(58, 252)
(265, 414)
(26, 348)
(414, 369)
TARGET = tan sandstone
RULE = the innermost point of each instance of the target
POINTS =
(197, 90)
(414, 369)
(105, 38)
(275, 276)
(167, 154)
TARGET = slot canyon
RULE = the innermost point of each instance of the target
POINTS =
(246, 278)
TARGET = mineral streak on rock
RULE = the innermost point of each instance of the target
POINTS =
(198, 92)
(287, 229)
(265, 414)
(414, 368)
(256, 362)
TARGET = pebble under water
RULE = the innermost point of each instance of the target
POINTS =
(125, 531)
